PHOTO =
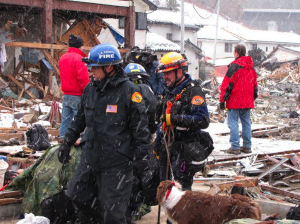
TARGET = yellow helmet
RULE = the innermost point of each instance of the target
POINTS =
(171, 61)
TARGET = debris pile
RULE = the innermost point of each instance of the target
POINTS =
(277, 104)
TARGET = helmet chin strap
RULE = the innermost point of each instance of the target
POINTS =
(107, 74)
(177, 80)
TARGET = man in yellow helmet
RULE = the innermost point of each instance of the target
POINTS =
(183, 112)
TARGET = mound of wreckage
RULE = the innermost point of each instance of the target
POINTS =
(271, 177)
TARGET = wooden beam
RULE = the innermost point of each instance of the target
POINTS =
(268, 132)
(247, 182)
(89, 29)
(280, 191)
(17, 69)
(51, 60)
(130, 28)
(259, 156)
(7, 136)
(9, 194)
(21, 86)
(5, 108)
(6, 201)
(37, 45)
(47, 19)
(286, 165)
(108, 7)
(49, 46)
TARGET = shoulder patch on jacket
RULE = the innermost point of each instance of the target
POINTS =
(136, 97)
(197, 100)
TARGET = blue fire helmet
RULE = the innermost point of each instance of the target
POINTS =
(137, 73)
(102, 55)
(134, 69)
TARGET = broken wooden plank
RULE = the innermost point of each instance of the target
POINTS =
(246, 182)
(5, 108)
(271, 169)
(280, 191)
(19, 66)
(295, 160)
(17, 129)
(51, 60)
(266, 133)
(231, 158)
(225, 164)
(9, 194)
(295, 175)
(37, 85)
(21, 86)
(20, 95)
(7, 201)
(7, 136)
(252, 129)
(89, 28)
(286, 165)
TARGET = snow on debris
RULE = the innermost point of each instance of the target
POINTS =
(158, 43)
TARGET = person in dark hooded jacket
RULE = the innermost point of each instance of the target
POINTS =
(113, 114)
(238, 91)
(143, 186)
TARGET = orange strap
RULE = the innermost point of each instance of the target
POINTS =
(168, 112)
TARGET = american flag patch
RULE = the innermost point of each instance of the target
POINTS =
(111, 109)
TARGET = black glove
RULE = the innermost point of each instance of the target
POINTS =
(141, 165)
(222, 105)
(64, 153)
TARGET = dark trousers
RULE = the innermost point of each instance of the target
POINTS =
(181, 174)
(101, 197)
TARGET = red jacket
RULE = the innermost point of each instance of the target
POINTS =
(239, 86)
(74, 74)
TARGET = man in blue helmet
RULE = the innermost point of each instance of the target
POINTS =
(138, 75)
(113, 112)
(141, 192)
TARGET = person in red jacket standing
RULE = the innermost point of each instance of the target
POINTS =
(74, 77)
(239, 90)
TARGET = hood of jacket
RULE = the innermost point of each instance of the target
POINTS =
(244, 61)
(76, 50)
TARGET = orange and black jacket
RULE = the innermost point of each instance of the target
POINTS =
(239, 86)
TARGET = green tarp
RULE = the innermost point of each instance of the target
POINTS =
(44, 178)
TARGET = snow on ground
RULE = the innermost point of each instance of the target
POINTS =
(259, 145)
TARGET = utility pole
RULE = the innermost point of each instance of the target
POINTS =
(216, 36)
(182, 28)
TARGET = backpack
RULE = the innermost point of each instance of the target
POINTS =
(58, 208)
(37, 138)
(293, 213)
